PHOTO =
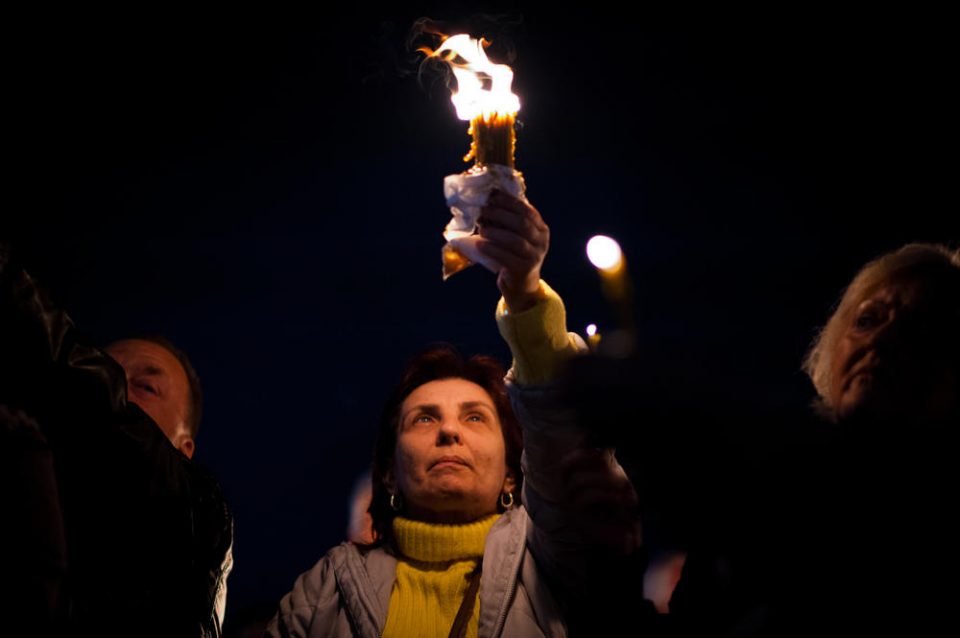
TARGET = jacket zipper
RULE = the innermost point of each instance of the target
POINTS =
(506, 607)
(498, 629)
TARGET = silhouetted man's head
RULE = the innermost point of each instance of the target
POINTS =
(161, 380)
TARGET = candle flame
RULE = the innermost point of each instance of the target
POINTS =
(592, 329)
(604, 252)
(483, 88)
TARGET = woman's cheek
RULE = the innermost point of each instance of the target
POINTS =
(406, 467)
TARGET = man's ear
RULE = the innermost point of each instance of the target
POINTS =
(186, 445)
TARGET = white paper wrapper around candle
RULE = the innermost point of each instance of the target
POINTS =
(466, 194)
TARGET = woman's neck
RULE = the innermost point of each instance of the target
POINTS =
(433, 542)
(448, 517)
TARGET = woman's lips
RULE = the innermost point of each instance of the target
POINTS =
(874, 374)
(449, 461)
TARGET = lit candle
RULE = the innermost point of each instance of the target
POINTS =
(607, 257)
(494, 139)
(483, 98)
(593, 337)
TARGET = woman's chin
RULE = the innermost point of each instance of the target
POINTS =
(451, 490)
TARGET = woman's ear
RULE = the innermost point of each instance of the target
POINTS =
(509, 482)
(389, 482)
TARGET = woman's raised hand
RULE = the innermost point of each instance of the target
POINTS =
(512, 243)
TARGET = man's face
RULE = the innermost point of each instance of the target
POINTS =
(892, 360)
(158, 384)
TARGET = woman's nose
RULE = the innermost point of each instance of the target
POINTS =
(898, 336)
(449, 430)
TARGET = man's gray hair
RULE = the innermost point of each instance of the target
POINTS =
(904, 262)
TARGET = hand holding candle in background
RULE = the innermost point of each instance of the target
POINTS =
(512, 242)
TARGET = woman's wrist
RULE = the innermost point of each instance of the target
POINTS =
(525, 298)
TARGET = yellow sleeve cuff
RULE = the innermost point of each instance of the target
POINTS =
(538, 338)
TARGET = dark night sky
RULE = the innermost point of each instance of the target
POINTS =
(267, 193)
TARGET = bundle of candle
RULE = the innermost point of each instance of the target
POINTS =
(483, 98)
(494, 139)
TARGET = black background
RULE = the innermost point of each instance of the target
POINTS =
(266, 191)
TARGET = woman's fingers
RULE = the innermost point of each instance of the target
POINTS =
(527, 223)
(513, 234)
(511, 212)
(504, 199)
(509, 261)
(511, 242)
(471, 248)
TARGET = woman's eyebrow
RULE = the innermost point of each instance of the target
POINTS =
(427, 408)
(469, 405)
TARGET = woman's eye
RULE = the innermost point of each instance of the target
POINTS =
(865, 320)
(870, 317)
(475, 418)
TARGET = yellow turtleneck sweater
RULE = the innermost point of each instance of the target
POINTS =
(538, 338)
(433, 573)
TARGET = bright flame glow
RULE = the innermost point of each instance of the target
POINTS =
(591, 329)
(473, 69)
(604, 252)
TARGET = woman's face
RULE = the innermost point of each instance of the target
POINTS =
(891, 360)
(450, 461)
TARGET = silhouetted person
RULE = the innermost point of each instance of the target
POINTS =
(852, 532)
(146, 532)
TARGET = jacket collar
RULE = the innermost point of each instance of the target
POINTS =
(365, 579)
(366, 598)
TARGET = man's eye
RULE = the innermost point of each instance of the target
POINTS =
(146, 387)
(423, 418)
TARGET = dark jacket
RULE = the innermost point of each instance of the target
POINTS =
(794, 525)
(146, 532)
(852, 533)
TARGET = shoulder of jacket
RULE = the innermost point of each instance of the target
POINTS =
(512, 521)
(320, 582)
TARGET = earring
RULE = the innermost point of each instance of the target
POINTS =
(506, 500)
(396, 502)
